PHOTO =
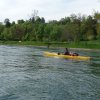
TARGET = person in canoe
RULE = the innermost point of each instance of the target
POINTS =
(65, 53)
(68, 53)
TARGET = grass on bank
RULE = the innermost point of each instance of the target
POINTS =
(82, 44)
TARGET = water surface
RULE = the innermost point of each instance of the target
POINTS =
(25, 74)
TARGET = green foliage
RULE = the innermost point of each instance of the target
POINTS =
(1, 28)
(20, 21)
(7, 22)
(6, 34)
(74, 28)
(98, 31)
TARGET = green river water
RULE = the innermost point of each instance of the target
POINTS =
(25, 74)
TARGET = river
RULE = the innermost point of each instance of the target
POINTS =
(25, 74)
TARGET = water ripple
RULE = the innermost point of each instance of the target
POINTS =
(25, 74)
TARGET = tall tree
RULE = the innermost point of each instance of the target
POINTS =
(97, 17)
(91, 28)
(7, 22)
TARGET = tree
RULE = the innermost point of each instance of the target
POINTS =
(6, 34)
(42, 20)
(1, 29)
(70, 33)
(47, 30)
(55, 33)
(38, 19)
(7, 22)
(34, 16)
(13, 23)
(20, 21)
(91, 27)
(65, 20)
(40, 32)
(97, 17)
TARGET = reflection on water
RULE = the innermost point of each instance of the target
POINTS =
(25, 74)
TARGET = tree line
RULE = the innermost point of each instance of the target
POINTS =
(73, 28)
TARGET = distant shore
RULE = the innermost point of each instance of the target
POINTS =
(95, 46)
(85, 49)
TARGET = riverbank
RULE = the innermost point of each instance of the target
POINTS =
(87, 45)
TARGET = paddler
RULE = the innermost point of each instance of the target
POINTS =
(68, 53)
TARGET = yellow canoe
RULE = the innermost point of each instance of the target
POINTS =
(53, 54)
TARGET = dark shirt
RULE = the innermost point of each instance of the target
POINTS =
(66, 53)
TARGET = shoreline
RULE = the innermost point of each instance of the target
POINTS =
(83, 49)
(40, 44)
